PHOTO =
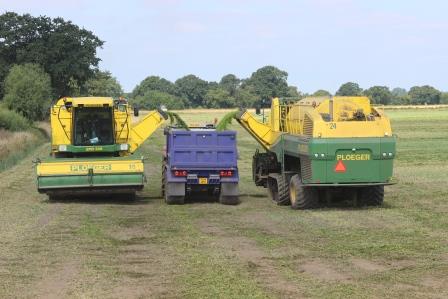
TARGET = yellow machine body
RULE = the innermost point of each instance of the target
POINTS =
(318, 117)
(92, 142)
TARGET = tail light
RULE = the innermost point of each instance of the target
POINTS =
(226, 173)
(180, 173)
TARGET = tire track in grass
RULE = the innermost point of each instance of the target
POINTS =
(34, 261)
(264, 270)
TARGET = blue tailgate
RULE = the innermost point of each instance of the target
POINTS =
(201, 149)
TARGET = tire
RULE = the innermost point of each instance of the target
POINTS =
(302, 197)
(170, 199)
(173, 199)
(278, 189)
(229, 199)
(371, 196)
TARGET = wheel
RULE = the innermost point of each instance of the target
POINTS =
(302, 197)
(174, 200)
(371, 196)
(229, 199)
(278, 189)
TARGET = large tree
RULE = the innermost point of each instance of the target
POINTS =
(153, 99)
(103, 84)
(424, 95)
(379, 94)
(246, 97)
(321, 93)
(154, 83)
(399, 92)
(230, 83)
(444, 98)
(349, 89)
(193, 89)
(219, 98)
(293, 92)
(400, 96)
(28, 91)
(64, 50)
(268, 82)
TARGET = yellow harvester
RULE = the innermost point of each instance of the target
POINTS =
(323, 148)
(92, 142)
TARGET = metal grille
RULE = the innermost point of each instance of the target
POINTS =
(306, 168)
(308, 126)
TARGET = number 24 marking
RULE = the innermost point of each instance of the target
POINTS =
(332, 126)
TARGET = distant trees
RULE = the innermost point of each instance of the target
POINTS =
(379, 95)
(444, 98)
(28, 91)
(154, 83)
(65, 51)
(230, 83)
(104, 85)
(424, 95)
(321, 93)
(218, 97)
(153, 99)
(293, 92)
(154, 91)
(265, 83)
(417, 95)
(192, 88)
(268, 82)
(399, 96)
(349, 89)
(230, 91)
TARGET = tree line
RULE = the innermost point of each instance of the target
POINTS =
(191, 91)
(43, 59)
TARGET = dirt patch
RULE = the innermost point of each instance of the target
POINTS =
(322, 271)
(266, 272)
(367, 265)
(262, 221)
(210, 229)
(401, 264)
(56, 283)
(434, 282)
(146, 271)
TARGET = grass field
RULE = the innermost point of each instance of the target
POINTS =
(102, 248)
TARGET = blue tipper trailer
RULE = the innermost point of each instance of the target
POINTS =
(200, 160)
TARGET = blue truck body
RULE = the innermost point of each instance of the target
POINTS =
(200, 160)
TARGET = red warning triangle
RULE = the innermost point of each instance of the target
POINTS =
(340, 167)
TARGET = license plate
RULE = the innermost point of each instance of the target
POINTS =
(203, 181)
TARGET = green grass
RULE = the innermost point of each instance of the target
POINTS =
(11, 154)
(145, 248)
(12, 121)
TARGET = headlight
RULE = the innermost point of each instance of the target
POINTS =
(124, 147)
(62, 147)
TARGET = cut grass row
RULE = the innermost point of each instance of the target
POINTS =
(253, 250)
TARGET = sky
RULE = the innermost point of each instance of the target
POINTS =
(321, 44)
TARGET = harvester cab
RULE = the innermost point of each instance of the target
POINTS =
(322, 146)
(92, 141)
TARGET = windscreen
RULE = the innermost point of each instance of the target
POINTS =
(93, 126)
